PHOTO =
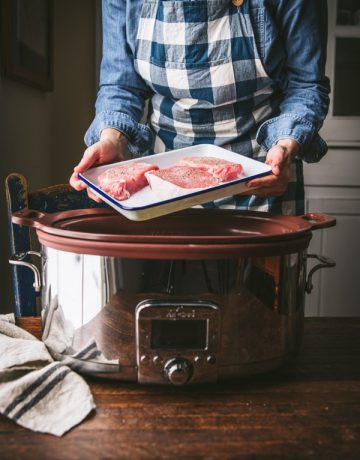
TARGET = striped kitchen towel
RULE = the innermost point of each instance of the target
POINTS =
(35, 391)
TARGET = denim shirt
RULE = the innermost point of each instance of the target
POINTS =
(291, 38)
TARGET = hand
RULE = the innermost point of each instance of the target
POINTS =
(110, 148)
(279, 157)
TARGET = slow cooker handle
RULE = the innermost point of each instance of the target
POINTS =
(325, 262)
(18, 259)
(319, 220)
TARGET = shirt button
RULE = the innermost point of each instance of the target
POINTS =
(237, 2)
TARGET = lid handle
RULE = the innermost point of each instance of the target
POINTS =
(318, 220)
(29, 217)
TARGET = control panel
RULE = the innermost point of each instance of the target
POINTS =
(177, 341)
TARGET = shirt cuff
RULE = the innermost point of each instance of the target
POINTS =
(140, 138)
(312, 146)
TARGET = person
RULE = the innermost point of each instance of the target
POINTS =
(246, 75)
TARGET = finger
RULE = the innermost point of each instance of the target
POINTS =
(93, 196)
(276, 169)
(266, 181)
(77, 183)
(90, 157)
(275, 188)
(276, 158)
(266, 191)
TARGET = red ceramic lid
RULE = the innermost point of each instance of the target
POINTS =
(195, 231)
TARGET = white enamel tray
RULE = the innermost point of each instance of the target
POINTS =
(145, 205)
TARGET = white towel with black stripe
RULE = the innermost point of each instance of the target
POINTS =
(35, 391)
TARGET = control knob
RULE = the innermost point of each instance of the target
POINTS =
(178, 371)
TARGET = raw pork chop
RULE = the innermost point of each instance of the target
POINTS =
(123, 181)
(179, 180)
(222, 170)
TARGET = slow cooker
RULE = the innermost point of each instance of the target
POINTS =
(192, 297)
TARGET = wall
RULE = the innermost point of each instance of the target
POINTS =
(42, 133)
(75, 83)
(333, 187)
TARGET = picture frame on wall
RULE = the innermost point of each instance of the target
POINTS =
(26, 42)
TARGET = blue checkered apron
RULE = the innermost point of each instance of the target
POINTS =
(209, 86)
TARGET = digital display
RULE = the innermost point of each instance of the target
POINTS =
(184, 334)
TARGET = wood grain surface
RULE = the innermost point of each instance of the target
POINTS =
(310, 409)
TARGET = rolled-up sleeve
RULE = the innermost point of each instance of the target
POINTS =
(122, 94)
(303, 84)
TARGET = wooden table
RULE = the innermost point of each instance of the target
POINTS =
(308, 410)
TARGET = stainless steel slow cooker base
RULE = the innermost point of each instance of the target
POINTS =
(258, 325)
